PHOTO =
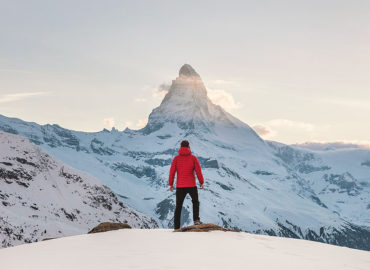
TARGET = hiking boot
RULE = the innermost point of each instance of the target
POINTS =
(197, 222)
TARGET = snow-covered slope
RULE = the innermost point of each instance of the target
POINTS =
(42, 197)
(163, 249)
(251, 184)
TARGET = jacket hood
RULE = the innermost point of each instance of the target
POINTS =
(184, 151)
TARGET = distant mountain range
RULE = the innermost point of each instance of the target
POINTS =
(251, 184)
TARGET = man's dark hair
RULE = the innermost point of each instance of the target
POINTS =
(185, 143)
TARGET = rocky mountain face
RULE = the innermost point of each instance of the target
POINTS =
(41, 197)
(251, 184)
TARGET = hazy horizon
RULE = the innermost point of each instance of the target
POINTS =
(296, 72)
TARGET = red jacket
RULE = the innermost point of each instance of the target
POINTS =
(185, 164)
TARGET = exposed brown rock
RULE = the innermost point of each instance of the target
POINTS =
(47, 239)
(109, 226)
(206, 227)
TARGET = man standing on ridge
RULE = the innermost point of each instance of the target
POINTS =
(185, 164)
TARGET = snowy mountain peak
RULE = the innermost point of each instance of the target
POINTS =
(188, 106)
(188, 71)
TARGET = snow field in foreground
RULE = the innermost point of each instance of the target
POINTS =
(164, 249)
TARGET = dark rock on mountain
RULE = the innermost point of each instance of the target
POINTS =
(188, 71)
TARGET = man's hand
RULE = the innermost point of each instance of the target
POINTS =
(171, 188)
(201, 186)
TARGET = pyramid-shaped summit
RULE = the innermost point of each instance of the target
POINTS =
(188, 106)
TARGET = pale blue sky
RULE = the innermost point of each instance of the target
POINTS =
(299, 70)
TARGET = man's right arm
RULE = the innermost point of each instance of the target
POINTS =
(171, 178)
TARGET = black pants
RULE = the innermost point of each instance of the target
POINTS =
(180, 196)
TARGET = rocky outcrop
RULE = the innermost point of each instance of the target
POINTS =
(109, 226)
(47, 239)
